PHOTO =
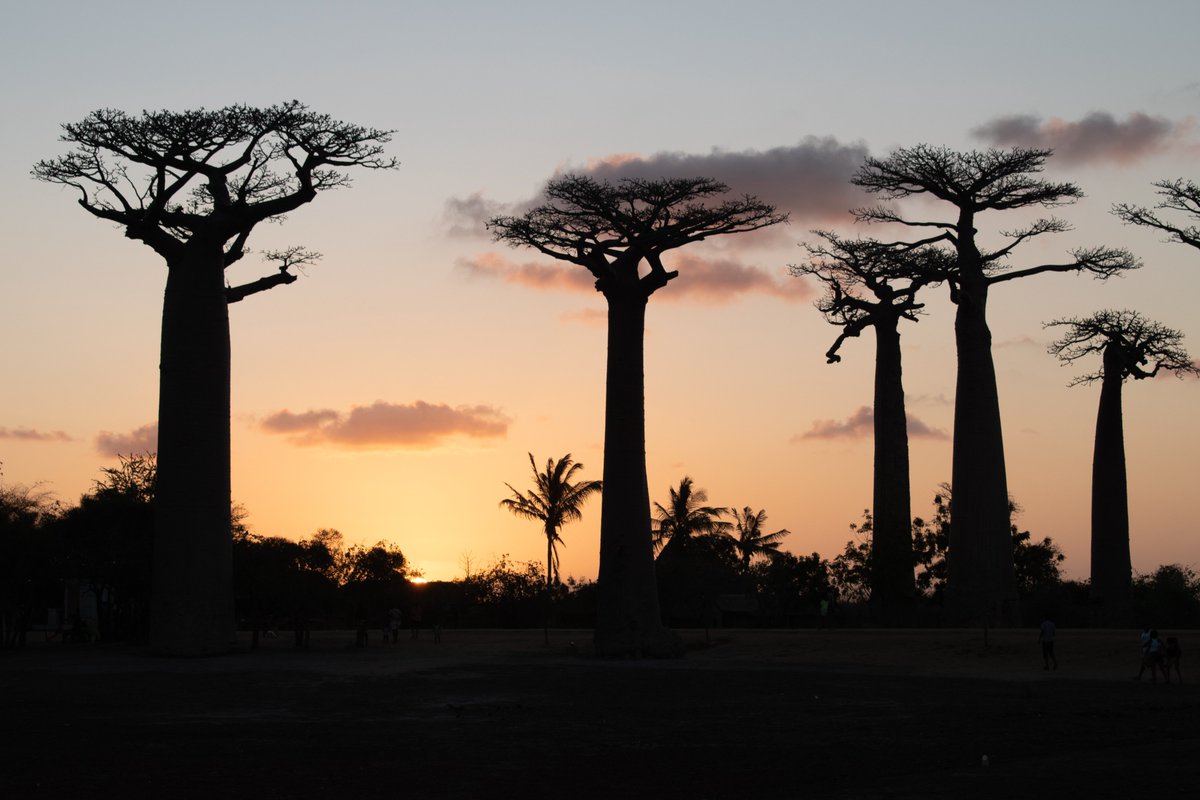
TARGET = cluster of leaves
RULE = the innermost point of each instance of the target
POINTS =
(1168, 597)
(1038, 563)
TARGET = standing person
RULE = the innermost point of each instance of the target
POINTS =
(1173, 657)
(1046, 637)
(1145, 653)
(395, 620)
(1154, 655)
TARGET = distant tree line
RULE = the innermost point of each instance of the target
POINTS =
(91, 564)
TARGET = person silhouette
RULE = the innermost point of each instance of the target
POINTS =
(1145, 653)
(1171, 658)
(1046, 634)
(1154, 655)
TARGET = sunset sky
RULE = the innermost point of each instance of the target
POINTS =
(393, 390)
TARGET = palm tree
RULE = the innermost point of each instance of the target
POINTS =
(685, 517)
(554, 501)
(750, 538)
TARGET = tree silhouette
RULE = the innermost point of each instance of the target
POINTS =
(751, 539)
(981, 585)
(685, 517)
(1129, 345)
(610, 230)
(869, 284)
(1178, 196)
(554, 501)
(192, 186)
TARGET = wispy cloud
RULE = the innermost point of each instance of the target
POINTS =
(1098, 137)
(861, 424)
(810, 180)
(139, 440)
(1020, 341)
(928, 400)
(464, 217)
(417, 425)
(706, 280)
(592, 317)
(31, 435)
(530, 274)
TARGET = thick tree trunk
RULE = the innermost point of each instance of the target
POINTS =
(193, 571)
(628, 620)
(893, 591)
(981, 585)
(1111, 591)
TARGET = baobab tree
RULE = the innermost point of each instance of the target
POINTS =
(554, 501)
(612, 230)
(870, 284)
(1179, 196)
(192, 186)
(1130, 346)
(981, 585)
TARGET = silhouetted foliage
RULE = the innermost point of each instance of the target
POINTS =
(554, 501)
(1170, 596)
(1178, 196)
(610, 230)
(109, 538)
(789, 587)
(508, 594)
(981, 584)
(931, 541)
(1036, 563)
(750, 538)
(693, 572)
(30, 558)
(1129, 345)
(192, 186)
(686, 517)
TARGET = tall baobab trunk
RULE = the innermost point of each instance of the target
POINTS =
(1112, 601)
(981, 586)
(893, 591)
(628, 620)
(193, 556)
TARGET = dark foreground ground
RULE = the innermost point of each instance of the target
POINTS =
(754, 714)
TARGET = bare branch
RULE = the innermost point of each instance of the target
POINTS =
(289, 258)
(1179, 196)
(1101, 262)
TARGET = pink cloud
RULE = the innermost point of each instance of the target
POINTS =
(31, 435)
(287, 422)
(417, 425)
(530, 274)
(861, 424)
(711, 281)
(140, 440)
(1098, 137)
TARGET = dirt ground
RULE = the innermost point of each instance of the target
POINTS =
(746, 714)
